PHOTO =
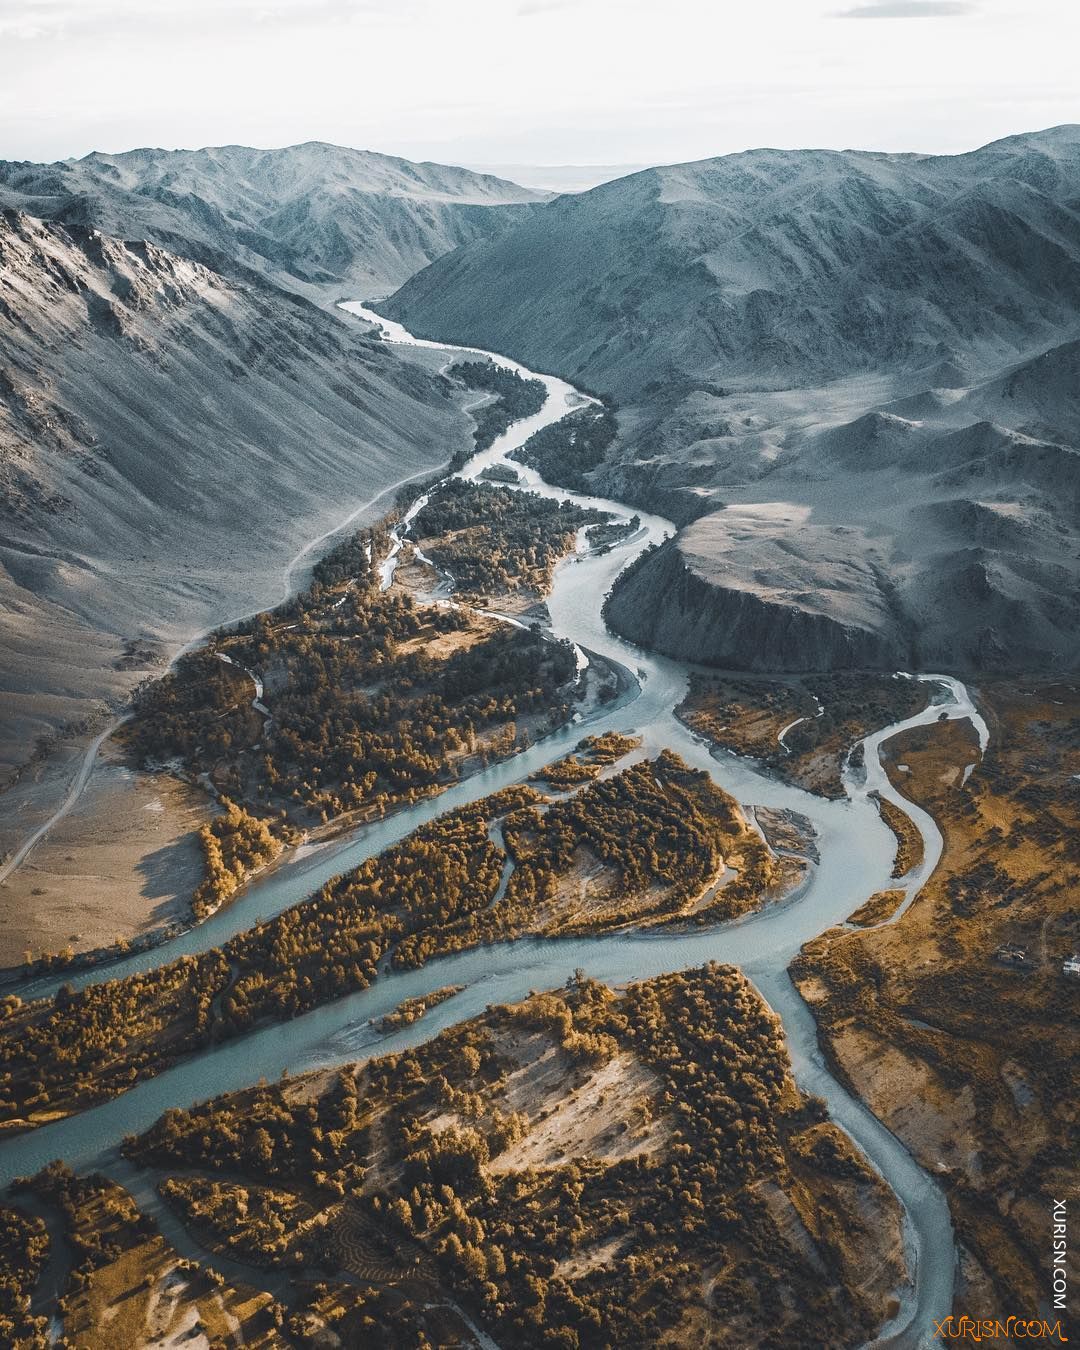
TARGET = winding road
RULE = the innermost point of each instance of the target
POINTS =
(856, 853)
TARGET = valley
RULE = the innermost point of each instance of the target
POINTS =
(847, 377)
(152, 405)
(196, 991)
(564, 907)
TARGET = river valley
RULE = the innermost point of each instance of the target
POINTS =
(855, 847)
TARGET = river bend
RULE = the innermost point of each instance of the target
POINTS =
(856, 852)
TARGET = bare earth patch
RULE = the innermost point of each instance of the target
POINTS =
(123, 863)
(606, 1116)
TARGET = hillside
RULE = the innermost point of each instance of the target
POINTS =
(169, 438)
(777, 267)
(312, 214)
(849, 376)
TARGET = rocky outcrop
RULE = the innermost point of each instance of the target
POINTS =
(669, 605)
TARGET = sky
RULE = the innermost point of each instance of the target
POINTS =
(533, 82)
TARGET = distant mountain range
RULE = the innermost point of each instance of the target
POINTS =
(778, 265)
(854, 372)
(316, 214)
(560, 177)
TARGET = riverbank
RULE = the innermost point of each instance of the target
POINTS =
(855, 849)
(43, 925)
(47, 794)
(965, 1057)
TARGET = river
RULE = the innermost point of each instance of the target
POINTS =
(856, 852)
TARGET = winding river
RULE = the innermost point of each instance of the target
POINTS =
(856, 853)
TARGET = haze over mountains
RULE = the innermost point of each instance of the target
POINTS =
(855, 372)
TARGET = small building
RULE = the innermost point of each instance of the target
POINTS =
(1071, 966)
(1009, 954)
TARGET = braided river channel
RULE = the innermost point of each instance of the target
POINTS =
(855, 848)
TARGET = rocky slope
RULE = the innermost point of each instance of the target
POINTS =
(882, 542)
(972, 568)
(780, 266)
(316, 214)
(169, 437)
(855, 372)
(723, 595)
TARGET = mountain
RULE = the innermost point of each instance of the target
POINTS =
(776, 267)
(850, 378)
(881, 543)
(169, 436)
(316, 214)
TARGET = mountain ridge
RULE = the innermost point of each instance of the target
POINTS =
(590, 284)
(168, 436)
(313, 215)
(847, 372)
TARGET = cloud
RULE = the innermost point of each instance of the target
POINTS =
(30, 20)
(906, 9)
(529, 7)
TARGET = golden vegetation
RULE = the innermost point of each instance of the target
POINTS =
(128, 1287)
(646, 846)
(412, 1009)
(24, 1249)
(234, 844)
(588, 761)
(609, 747)
(748, 715)
(252, 1223)
(365, 716)
(878, 909)
(59, 1055)
(495, 540)
(909, 846)
(373, 701)
(687, 1190)
(969, 1061)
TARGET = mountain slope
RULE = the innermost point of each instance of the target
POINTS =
(316, 213)
(777, 267)
(168, 438)
(883, 544)
(850, 377)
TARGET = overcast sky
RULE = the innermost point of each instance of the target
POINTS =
(533, 81)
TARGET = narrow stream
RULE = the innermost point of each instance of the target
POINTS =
(855, 846)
